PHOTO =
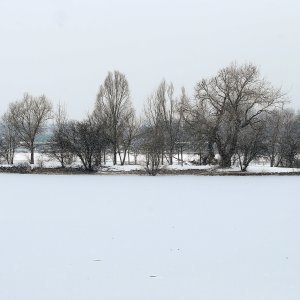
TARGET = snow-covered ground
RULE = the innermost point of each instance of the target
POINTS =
(261, 169)
(256, 169)
(149, 238)
(42, 160)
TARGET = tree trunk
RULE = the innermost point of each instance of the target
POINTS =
(100, 158)
(211, 154)
(115, 155)
(171, 157)
(225, 161)
(244, 169)
(32, 154)
(272, 161)
(181, 154)
(124, 157)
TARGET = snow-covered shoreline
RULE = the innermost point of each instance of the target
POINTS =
(46, 165)
(140, 170)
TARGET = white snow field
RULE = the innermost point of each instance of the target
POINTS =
(149, 238)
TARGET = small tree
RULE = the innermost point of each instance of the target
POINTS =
(152, 147)
(250, 144)
(59, 143)
(9, 139)
(130, 132)
(84, 141)
(273, 135)
(290, 139)
(282, 140)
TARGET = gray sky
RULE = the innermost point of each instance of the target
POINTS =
(64, 48)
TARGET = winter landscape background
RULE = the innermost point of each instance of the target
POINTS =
(207, 88)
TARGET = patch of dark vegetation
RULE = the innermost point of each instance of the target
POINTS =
(251, 174)
(26, 169)
(16, 169)
(20, 169)
(184, 172)
(196, 172)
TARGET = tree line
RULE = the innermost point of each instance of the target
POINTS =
(235, 116)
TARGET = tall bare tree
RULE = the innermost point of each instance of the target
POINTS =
(29, 117)
(167, 105)
(153, 130)
(162, 111)
(233, 100)
(113, 107)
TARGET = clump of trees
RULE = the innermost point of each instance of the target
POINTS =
(235, 116)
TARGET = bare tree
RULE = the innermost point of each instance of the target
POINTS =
(198, 128)
(84, 141)
(282, 139)
(153, 129)
(274, 123)
(152, 136)
(113, 107)
(59, 143)
(170, 121)
(162, 112)
(137, 143)
(289, 141)
(152, 147)
(9, 139)
(130, 132)
(251, 144)
(29, 117)
(233, 100)
(153, 160)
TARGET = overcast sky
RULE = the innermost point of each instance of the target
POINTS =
(64, 48)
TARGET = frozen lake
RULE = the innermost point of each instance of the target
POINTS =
(138, 238)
